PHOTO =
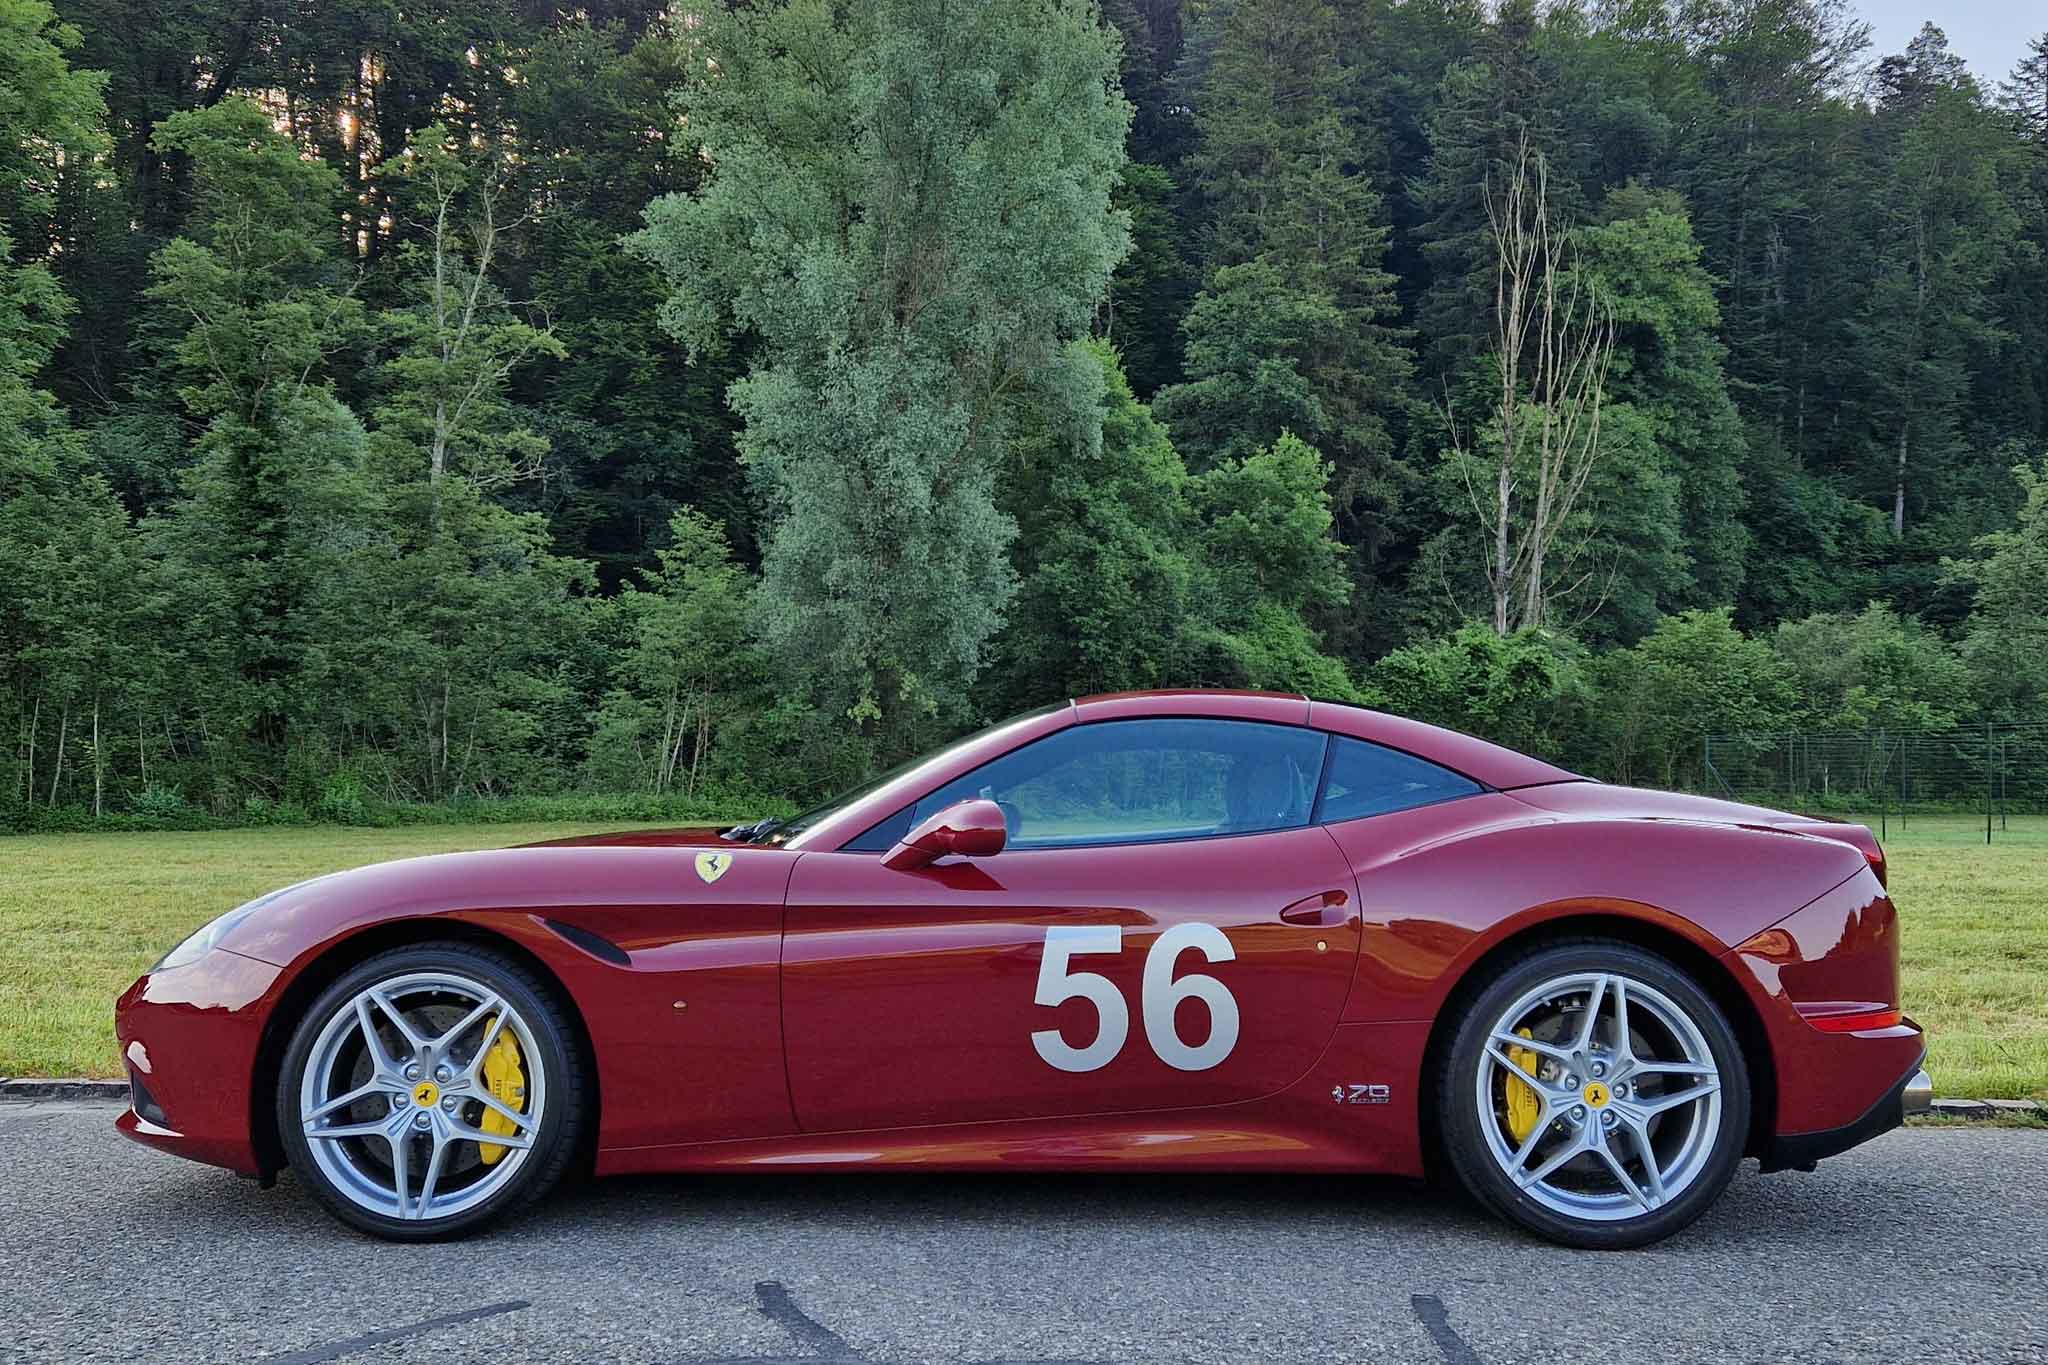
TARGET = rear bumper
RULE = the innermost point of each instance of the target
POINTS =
(1913, 1094)
(1918, 1096)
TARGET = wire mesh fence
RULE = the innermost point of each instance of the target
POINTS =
(1997, 770)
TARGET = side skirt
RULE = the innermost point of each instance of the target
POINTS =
(1356, 1110)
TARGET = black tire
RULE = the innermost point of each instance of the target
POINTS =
(562, 1121)
(1460, 1118)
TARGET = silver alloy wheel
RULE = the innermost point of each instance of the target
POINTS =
(417, 1032)
(1628, 1096)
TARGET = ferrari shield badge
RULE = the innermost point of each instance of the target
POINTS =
(712, 866)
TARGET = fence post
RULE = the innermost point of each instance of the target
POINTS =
(1905, 757)
(1884, 801)
(1987, 784)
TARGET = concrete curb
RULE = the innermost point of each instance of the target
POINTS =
(1989, 1109)
(61, 1088)
(78, 1088)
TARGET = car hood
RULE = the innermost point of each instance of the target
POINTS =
(637, 883)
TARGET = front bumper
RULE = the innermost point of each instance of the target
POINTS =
(189, 1037)
(1913, 1094)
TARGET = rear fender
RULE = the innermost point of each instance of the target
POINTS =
(1442, 886)
(1826, 982)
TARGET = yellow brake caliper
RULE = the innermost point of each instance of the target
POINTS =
(504, 1077)
(1523, 1105)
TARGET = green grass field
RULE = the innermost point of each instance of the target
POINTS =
(81, 915)
(1976, 949)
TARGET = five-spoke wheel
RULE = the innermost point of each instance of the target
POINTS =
(428, 1089)
(1595, 1094)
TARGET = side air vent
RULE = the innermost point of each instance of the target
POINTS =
(595, 944)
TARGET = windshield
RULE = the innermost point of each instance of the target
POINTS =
(781, 831)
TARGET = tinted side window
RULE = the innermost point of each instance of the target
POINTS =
(1133, 780)
(1366, 779)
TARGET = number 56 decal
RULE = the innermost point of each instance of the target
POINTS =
(1163, 994)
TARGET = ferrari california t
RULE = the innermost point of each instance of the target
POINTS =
(1198, 931)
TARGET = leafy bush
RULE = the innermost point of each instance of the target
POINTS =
(1694, 676)
(341, 801)
(1874, 671)
(1527, 690)
(157, 802)
(261, 810)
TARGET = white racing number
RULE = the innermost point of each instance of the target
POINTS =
(1162, 996)
(1056, 985)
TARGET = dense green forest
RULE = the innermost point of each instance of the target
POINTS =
(475, 399)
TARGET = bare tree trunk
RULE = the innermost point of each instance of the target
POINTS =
(1503, 577)
(671, 737)
(99, 767)
(703, 735)
(441, 759)
(1553, 340)
(63, 724)
(35, 725)
(1899, 485)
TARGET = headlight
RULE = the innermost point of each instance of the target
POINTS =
(210, 934)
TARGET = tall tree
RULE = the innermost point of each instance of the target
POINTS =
(49, 117)
(1156, 281)
(160, 60)
(1293, 330)
(1941, 230)
(463, 604)
(2025, 92)
(1106, 580)
(1531, 462)
(910, 211)
(1500, 99)
(1644, 262)
(635, 431)
(2013, 391)
(456, 341)
(684, 666)
(1760, 172)
(2006, 640)
(262, 300)
(1272, 564)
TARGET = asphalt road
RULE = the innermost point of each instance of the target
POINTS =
(1931, 1244)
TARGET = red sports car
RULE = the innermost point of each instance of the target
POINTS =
(1160, 931)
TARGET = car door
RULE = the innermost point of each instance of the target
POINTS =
(1166, 928)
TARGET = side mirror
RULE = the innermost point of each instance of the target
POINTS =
(971, 829)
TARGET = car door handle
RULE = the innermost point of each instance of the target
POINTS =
(1324, 910)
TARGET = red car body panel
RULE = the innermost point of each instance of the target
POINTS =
(959, 944)
(812, 1008)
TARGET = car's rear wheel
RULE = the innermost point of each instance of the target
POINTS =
(431, 1089)
(1594, 1094)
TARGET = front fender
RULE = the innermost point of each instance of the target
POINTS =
(672, 974)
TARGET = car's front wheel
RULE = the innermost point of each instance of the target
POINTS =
(1594, 1094)
(429, 1090)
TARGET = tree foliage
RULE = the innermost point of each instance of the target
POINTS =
(911, 285)
(450, 400)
